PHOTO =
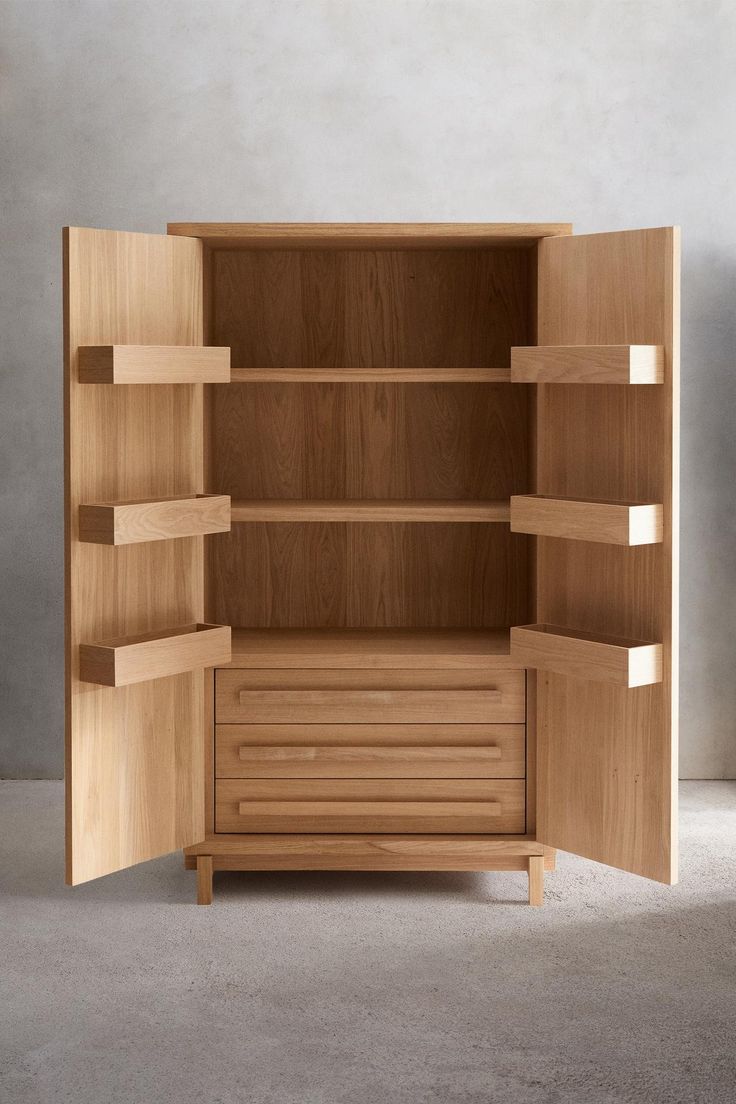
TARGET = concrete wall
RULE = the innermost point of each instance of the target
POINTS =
(126, 115)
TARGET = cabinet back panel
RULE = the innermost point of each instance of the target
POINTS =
(361, 308)
(370, 440)
(369, 575)
(352, 309)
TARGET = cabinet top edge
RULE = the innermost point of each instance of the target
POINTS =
(386, 235)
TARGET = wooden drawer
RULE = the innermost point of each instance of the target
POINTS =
(370, 751)
(364, 697)
(396, 805)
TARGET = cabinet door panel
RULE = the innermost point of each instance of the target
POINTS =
(607, 754)
(134, 754)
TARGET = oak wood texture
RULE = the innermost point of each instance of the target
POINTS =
(371, 648)
(370, 576)
(632, 364)
(154, 655)
(134, 755)
(627, 523)
(428, 310)
(367, 310)
(204, 879)
(154, 519)
(208, 726)
(371, 696)
(356, 706)
(587, 655)
(370, 375)
(371, 235)
(369, 510)
(606, 753)
(143, 364)
(370, 750)
(536, 880)
(305, 851)
(378, 805)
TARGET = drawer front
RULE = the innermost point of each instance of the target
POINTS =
(364, 697)
(397, 805)
(370, 751)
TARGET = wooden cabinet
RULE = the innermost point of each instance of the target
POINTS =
(371, 554)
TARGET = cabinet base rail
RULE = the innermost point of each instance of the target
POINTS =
(362, 852)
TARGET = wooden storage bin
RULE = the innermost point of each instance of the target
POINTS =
(597, 657)
(130, 659)
(154, 519)
(627, 523)
(635, 364)
(153, 364)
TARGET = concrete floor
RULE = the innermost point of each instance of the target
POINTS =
(366, 989)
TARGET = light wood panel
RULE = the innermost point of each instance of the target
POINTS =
(134, 756)
(536, 880)
(361, 697)
(230, 682)
(146, 656)
(368, 309)
(355, 805)
(632, 364)
(370, 375)
(370, 576)
(607, 754)
(364, 311)
(369, 852)
(364, 706)
(370, 441)
(204, 880)
(373, 235)
(371, 648)
(153, 364)
(370, 751)
(386, 509)
(154, 519)
(627, 523)
(587, 655)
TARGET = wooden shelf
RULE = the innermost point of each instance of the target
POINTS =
(298, 509)
(153, 519)
(130, 659)
(588, 364)
(371, 648)
(370, 375)
(153, 364)
(585, 655)
(599, 520)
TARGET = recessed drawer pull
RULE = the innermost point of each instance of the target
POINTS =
(373, 697)
(369, 808)
(365, 754)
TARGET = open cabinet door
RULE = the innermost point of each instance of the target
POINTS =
(134, 707)
(606, 518)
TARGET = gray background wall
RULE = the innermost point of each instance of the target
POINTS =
(127, 115)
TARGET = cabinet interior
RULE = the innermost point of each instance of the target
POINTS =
(444, 311)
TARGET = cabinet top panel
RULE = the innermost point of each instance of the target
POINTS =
(368, 235)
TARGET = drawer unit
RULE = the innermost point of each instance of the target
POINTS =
(362, 805)
(369, 697)
(370, 750)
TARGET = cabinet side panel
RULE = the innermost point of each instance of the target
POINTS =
(607, 756)
(134, 755)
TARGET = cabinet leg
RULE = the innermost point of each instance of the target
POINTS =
(204, 879)
(536, 879)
